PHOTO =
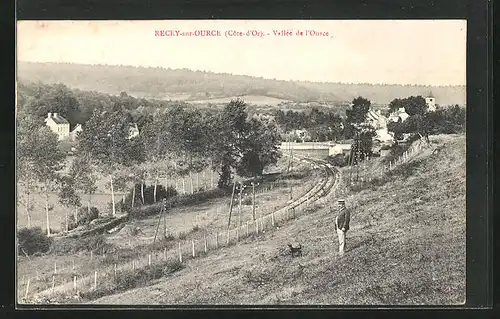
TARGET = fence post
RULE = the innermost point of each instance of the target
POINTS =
(91, 254)
(272, 219)
(165, 253)
(95, 279)
(257, 226)
(73, 267)
(55, 267)
(237, 235)
(228, 235)
(27, 289)
(53, 283)
(180, 253)
(206, 244)
(149, 260)
(216, 240)
(115, 272)
(74, 282)
(247, 228)
(192, 243)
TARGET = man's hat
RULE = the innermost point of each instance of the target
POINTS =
(341, 201)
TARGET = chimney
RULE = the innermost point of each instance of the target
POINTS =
(55, 114)
(49, 115)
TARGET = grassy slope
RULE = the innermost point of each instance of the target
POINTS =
(406, 246)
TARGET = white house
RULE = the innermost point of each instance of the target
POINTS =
(399, 115)
(133, 131)
(58, 125)
(73, 134)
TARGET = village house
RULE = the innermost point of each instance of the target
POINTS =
(74, 133)
(399, 116)
(58, 125)
(379, 122)
(303, 135)
(133, 131)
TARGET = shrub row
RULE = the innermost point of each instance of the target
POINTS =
(33, 240)
(129, 279)
(176, 201)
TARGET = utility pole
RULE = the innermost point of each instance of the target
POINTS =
(231, 206)
(159, 220)
(358, 158)
(253, 201)
(239, 205)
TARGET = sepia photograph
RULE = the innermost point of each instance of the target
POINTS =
(241, 162)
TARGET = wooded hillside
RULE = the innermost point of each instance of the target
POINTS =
(185, 84)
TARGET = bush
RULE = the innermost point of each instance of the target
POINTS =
(33, 240)
(75, 245)
(84, 217)
(176, 201)
(338, 160)
(247, 200)
(129, 279)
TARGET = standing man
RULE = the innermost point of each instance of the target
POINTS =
(342, 224)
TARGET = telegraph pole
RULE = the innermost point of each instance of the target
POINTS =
(231, 206)
(253, 201)
(239, 205)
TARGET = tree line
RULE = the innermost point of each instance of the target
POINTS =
(177, 141)
(423, 122)
(321, 125)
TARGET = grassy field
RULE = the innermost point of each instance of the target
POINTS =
(183, 225)
(102, 199)
(406, 246)
(315, 154)
(249, 99)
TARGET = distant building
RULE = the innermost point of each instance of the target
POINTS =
(73, 134)
(430, 101)
(379, 122)
(302, 135)
(376, 119)
(58, 125)
(335, 149)
(133, 131)
(399, 116)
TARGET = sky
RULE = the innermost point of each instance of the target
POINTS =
(424, 52)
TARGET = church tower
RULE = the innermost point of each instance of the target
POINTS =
(430, 100)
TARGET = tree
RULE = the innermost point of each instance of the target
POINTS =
(362, 142)
(56, 98)
(158, 146)
(260, 148)
(227, 131)
(68, 197)
(413, 105)
(25, 156)
(105, 137)
(359, 109)
(40, 160)
(84, 178)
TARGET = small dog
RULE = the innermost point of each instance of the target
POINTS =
(296, 251)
